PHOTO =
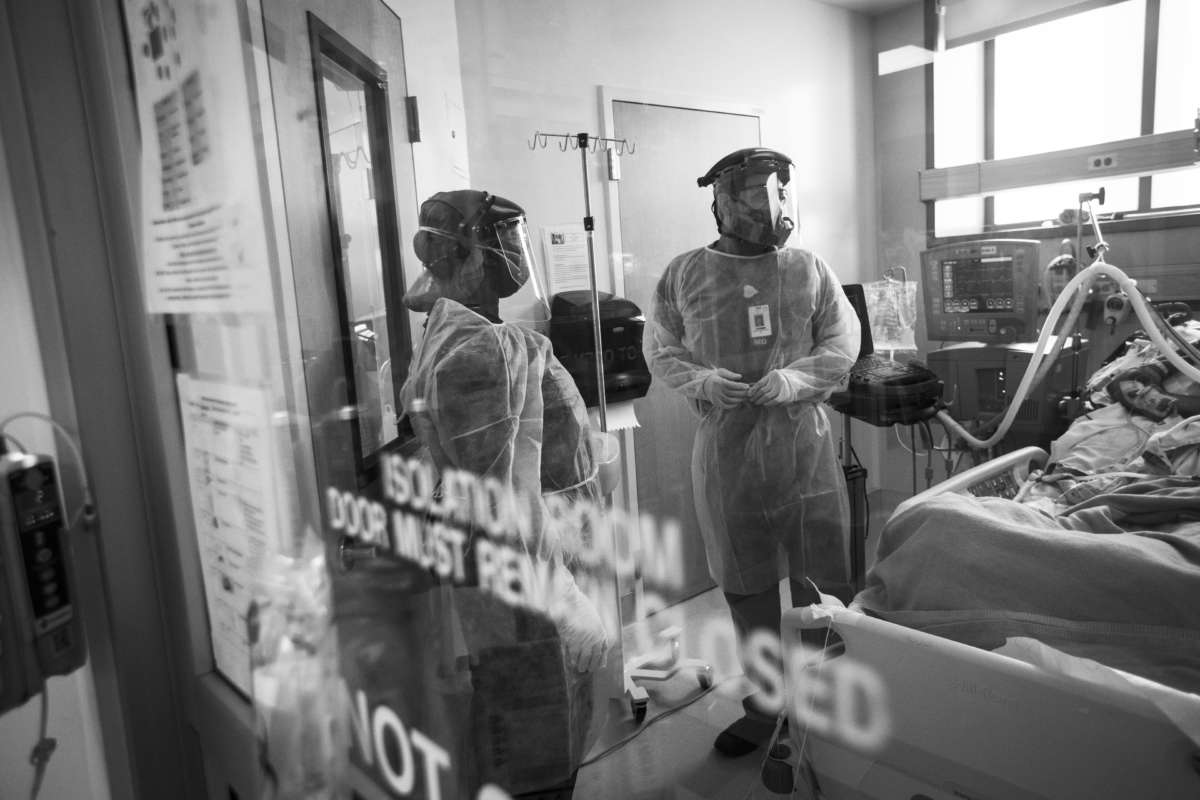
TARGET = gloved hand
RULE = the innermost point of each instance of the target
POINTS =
(579, 624)
(722, 388)
(771, 389)
(1140, 391)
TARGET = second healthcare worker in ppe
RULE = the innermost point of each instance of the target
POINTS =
(756, 335)
(489, 398)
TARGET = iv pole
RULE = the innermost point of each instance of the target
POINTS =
(584, 142)
(589, 226)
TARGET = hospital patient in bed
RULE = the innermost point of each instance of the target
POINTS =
(1146, 422)
(1099, 557)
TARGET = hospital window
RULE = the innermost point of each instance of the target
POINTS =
(1116, 72)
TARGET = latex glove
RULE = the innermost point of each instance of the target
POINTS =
(579, 624)
(722, 388)
(772, 389)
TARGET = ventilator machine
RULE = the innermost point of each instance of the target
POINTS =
(1007, 377)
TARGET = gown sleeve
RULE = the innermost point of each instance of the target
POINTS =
(666, 355)
(836, 337)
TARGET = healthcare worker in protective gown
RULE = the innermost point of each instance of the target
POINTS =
(756, 335)
(489, 398)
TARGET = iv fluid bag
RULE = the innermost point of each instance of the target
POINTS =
(892, 308)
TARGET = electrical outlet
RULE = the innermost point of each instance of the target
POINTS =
(1102, 161)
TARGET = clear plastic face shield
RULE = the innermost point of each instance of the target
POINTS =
(499, 266)
(514, 255)
(755, 202)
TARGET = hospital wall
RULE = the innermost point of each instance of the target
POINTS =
(432, 75)
(538, 65)
(77, 769)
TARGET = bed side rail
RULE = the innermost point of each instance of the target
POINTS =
(895, 707)
(1000, 477)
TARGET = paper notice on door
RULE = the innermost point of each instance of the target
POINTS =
(204, 244)
(232, 477)
(567, 257)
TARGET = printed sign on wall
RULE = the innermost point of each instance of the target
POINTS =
(204, 245)
(232, 477)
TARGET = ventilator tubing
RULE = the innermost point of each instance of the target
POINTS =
(1077, 289)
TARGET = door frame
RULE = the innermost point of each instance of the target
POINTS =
(608, 95)
(613, 94)
(71, 137)
(324, 41)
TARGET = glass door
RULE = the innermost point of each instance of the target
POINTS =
(352, 103)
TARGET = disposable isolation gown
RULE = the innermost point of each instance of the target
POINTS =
(764, 477)
(495, 402)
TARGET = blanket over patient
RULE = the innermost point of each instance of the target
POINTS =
(1115, 578)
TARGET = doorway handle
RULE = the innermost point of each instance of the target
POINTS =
(350, 552)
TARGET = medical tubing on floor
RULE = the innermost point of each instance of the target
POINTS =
(1082, 280)
(668, 712)
(800, 755)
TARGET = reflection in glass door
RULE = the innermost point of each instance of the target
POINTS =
(352, 105)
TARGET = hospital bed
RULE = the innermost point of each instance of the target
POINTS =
(893, 712)
(1066, 662)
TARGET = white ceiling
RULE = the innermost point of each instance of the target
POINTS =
(870, 6)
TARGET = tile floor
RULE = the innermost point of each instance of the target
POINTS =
(670, 755)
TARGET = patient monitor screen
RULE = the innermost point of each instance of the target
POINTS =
(982, 291)
(978, 284)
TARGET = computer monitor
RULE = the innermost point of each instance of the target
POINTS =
(982, 291)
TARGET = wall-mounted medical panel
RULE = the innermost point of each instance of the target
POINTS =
(1138, 156)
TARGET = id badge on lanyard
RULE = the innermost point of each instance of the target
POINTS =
(759, 321)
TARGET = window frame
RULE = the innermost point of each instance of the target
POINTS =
(979, 179)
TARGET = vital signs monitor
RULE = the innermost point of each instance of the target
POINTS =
(982, 291)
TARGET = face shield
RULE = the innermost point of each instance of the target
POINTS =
(514, 262)
(476, 249)
(754, 202)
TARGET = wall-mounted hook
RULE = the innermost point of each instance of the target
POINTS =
(539, 139)
(566, 144)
